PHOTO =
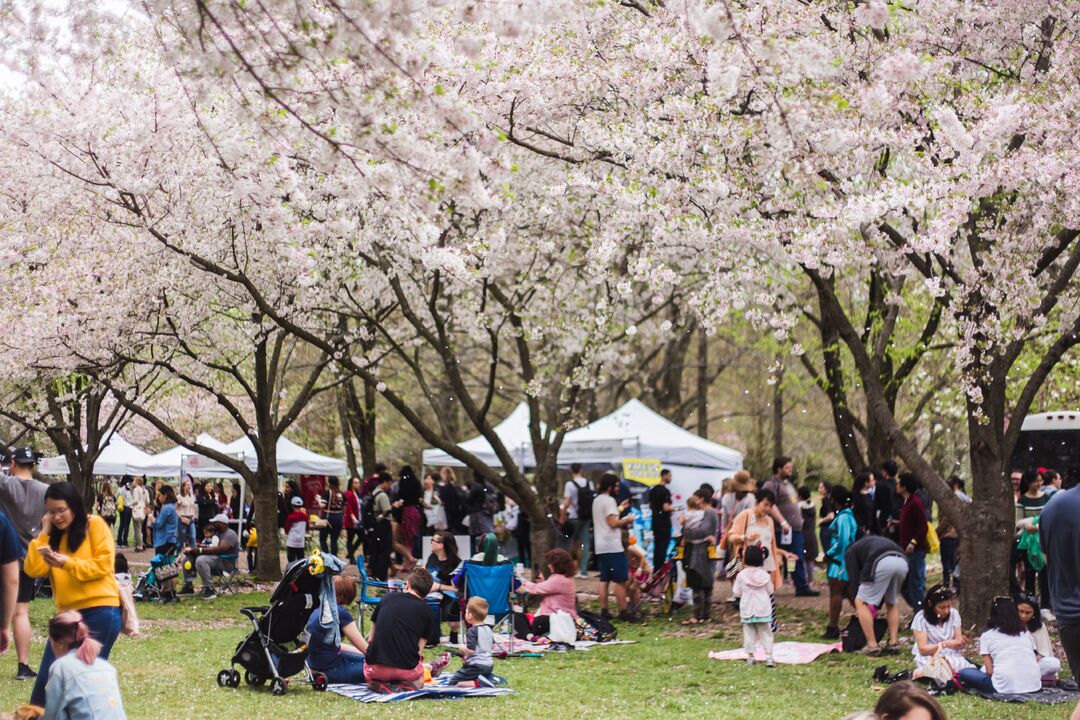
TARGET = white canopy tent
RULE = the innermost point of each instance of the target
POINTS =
(118, 457)
(291, 458)
(181, 461)
(512, 431)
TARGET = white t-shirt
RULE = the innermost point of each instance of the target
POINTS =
(936, 634)
(1015, 668)
(607, 539)
(570, 491)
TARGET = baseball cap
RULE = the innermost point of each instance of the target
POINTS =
(220, 518)
(24, 456)
(297, 501)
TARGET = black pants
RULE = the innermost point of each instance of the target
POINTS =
(948, 559)
(377, 556)
(1070, 641)
(332, 532)
(294, 554)
(661, 540)
(125, 525)
(353, 538)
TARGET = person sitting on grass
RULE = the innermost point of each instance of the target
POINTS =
(400, 626)
(557, 591)
(1027, 607)
(479, 641)
(340, 663)
(81, 684)
(1010, 663)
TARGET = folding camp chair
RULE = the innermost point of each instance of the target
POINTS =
(366, 583)
(494, 583)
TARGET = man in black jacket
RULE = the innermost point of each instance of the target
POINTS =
(877, 568)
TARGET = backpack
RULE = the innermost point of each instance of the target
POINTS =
(585, 497)
(600, 630)
(852, 638)
(491, 501)
(368, 517)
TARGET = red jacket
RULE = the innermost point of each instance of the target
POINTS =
(913, 524)
(352, 510)
(299, 515)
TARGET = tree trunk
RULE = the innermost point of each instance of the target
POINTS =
(360, 414)
(346, 432)
(268, 563)
(878, 447)
(703, 384)
(778, 411)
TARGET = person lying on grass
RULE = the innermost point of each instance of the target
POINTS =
(399, 627)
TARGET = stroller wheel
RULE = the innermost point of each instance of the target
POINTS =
(224, 678)
(277, 686)
(254, 680)
(319, 681)
(234, 680)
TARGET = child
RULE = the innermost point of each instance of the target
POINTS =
(209, 538)
(252, 547)
(81, 683)
(694, 512)
(753, 588)
(479, 641)
(295, 530)
(129, 624)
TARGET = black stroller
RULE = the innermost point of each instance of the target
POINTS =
(263, 654)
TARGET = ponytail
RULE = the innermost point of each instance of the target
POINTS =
(68, 630)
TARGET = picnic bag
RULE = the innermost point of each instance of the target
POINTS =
(932, 539)
(563, 628)
(852, 638)
(939, 668)
(129, 619)
(596, 628)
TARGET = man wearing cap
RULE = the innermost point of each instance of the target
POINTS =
(22, 499)
(218, 558)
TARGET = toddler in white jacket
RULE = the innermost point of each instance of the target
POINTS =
(753, 589)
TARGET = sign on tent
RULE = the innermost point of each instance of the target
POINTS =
(642, 470)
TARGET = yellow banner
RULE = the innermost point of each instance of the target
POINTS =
(642, 470)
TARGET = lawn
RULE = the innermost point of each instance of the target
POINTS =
(171, 674)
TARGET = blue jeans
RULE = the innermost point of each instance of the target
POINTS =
(348, 670)
(185, 534)
(977, 680)
(915, 586)
(104, 625)
(581, 534)
(795, 547)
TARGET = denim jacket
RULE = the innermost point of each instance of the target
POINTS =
(77, 691)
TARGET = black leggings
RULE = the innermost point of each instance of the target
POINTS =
(353, 539)
(293, 554)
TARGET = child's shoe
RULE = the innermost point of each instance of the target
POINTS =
(750, 661)
(769, 662)
(439, 663)
(485, 681)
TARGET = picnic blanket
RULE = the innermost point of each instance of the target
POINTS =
(1046, 696)
(440, 689)
(785, 653)
(502, 645)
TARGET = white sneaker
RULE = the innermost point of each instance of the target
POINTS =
(750, 660)
(769, 662)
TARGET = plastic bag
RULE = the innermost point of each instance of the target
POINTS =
(563, 628)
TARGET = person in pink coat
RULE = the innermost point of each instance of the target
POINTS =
(558, 591)
(753, 588)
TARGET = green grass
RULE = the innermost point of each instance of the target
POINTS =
(171, 674)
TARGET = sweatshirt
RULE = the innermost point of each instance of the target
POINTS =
(862, 556)
(87, 580)
(753, 588)
(295, 527)
(1059, 535)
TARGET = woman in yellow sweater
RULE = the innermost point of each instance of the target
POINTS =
(78, 555)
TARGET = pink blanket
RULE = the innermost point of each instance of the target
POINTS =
(787, 653)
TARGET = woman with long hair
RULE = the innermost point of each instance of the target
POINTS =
(334, 502)
(77, 553)
(188, 513)
(1010, 664)
(444, 566)
(842, 532)
(354, 531)
(206, 504)
(81, 683)
(166, 529)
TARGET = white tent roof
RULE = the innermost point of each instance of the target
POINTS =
(647, 434)
(119, 457)
(171, 462)
(514, 433)
(291, 458)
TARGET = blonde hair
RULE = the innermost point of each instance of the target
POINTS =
(477, 607)
(447, 474)
(693, 502)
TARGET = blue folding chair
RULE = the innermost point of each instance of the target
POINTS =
(494, 583)
(367, 583)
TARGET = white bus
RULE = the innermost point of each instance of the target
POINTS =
(1049, 440)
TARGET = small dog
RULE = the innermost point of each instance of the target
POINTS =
(25, 712)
